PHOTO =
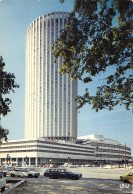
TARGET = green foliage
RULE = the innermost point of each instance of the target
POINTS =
(7, 85)
(98, 36)
(3, 134)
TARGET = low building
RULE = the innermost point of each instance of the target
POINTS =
(40, 151)
(106, 150)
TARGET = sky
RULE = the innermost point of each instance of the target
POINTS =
(15, 17)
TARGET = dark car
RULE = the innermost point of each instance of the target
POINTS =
(61, 173)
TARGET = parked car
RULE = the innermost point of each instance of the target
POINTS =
(128, 178)
(3, 171)
(73, 166)
(23, 172)
(2, 182)
(61, 173)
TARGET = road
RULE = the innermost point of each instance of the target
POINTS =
(94, 180)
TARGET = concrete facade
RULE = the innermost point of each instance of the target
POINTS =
(50, 109)
(106, 149)
(40, 151)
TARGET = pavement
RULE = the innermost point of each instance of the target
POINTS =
(94, 180)
(12, 184)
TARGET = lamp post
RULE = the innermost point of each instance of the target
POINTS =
(8, 159)
(50, 161)
(68, 160)
(101, 155)
(96, 152)
(119, 155)
(26, 160)
(125, 155)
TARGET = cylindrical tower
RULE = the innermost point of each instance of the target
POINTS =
(50, 109)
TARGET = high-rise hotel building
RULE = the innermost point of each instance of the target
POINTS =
(50, 109)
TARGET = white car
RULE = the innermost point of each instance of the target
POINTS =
(23, 172)
(2, 182)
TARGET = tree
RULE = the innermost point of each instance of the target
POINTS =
(97, 39)
(7, 84)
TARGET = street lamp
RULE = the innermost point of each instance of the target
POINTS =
(119, 155)
(96, 152)
(125, 155)
(26, 160)
(50, 160)
(8, 159)
(68, 160)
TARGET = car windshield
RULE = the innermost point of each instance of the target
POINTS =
(27, 170)
(10, 168)
(129, 174)
(67, 171)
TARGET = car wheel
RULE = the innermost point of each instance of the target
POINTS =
(30, 176)
(73, 178)
(2, 189)
(36, 176)
(51, 177)
(76, 178)
(125, 181)
(12, 175)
